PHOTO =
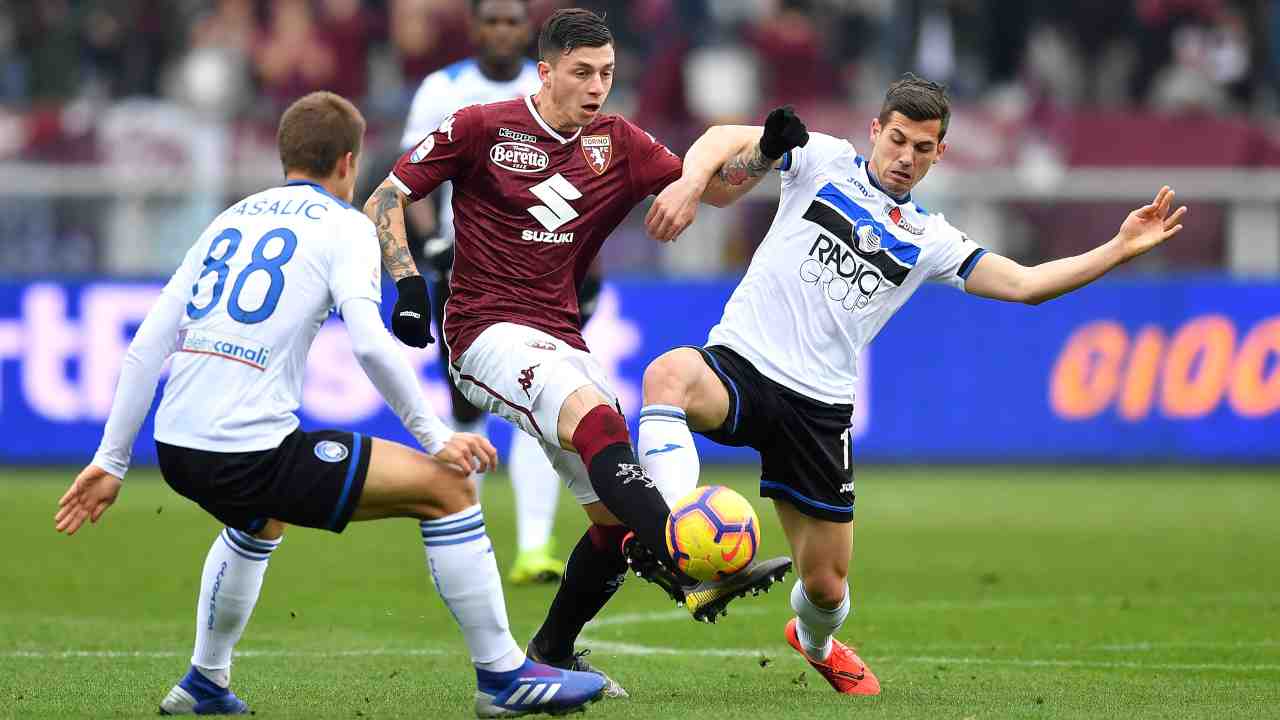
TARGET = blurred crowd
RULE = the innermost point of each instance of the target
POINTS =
(247, 57)
(193, 88)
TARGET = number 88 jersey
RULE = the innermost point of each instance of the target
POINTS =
(257, 286)
(531, 209)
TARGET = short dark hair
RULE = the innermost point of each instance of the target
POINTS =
(919, 100)
(316, 131)
(569, 29)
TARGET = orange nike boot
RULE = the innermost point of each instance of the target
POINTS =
(843, 668)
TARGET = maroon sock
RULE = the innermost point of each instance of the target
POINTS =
(617, 477)
(593, 574)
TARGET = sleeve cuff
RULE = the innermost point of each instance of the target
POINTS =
(111, 465)
(970, 262)
(438, 441)
(400, 185)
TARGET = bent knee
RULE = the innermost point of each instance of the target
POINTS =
(668, 378)
(827, 587)
(451, 491)
(273, 530)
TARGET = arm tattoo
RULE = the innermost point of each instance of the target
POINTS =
(387, 213)
(746, 165)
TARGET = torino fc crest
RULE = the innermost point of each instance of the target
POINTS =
(598, 150)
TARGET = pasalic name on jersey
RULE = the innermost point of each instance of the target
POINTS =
(288, 207)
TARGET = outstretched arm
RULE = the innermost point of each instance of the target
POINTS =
(1003, 279)
(396, 381)
(96, 487)
(722, 166)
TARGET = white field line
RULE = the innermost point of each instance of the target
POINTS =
(628, 619)
(648, 650)
(664, 616)
(618, 648)
(164, 654)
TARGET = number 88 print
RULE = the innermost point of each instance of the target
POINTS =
(272, 266)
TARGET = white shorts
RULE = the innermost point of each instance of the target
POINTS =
(524, 375)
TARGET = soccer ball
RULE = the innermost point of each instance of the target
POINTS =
(712, 532)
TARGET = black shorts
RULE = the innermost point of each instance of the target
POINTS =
(806, 454)
(313, 479)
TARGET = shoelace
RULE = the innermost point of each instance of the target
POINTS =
(845, 673)
(580, 663)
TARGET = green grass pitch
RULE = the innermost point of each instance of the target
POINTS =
(977, 593)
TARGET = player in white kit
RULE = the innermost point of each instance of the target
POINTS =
(238, 318)
(847, 247)
(501, 32)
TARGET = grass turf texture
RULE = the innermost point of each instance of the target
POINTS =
(978, 593)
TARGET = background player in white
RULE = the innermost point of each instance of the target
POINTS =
(501, 32)
(239, 317)
(846, 249)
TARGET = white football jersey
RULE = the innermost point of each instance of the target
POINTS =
(839, 259)
(450, 89)
(257, 286)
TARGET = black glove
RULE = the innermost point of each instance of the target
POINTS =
(783, 130)
(411, 318)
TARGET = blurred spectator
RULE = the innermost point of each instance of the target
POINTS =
(215, 75)
(349, 28)
(13, 77)
(294, 57)
(791, 51)
(427, 35)
(231, 26)
(51, 40)
(128, 43)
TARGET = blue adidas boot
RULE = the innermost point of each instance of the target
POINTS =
(534, 688)
(196, 694)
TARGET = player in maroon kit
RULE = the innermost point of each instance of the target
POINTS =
(539, 183)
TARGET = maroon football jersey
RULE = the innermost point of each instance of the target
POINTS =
(531, 209)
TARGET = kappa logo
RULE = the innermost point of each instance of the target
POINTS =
(526, 378)
(517, 136)
(518, 157)
(895, 214)
(539, 344)
(631, 471)
(598, 149)
(846, 488)
(446, 127)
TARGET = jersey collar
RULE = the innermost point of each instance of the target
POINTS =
(876, 184)
(320, 189)
(528, 102)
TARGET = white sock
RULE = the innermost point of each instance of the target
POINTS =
(460, 558)
(537, 488)
(229, 588)
(816, 625)
(479, 426)
(666, 450)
